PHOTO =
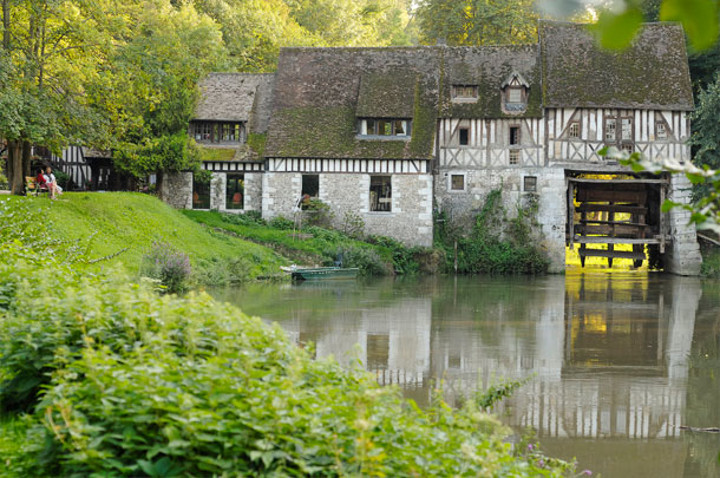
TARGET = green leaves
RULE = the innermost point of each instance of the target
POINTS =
(168, 386)
(469, 22)
(616, 30)
(699, 18)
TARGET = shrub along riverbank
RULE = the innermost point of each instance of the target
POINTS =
(373, 255)
(100, 375)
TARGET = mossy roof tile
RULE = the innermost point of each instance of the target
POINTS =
(235, 97)
(651, 74)
(488, 67)
(321, 92)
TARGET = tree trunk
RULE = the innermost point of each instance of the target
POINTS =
(15, 168)
(26, 158)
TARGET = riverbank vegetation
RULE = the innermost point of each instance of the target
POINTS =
(498, 243)
(101, 375)
(315, 245)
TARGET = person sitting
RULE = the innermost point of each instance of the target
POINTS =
(40, 183)
(52, 184)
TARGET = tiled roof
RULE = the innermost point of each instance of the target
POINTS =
(651, 74)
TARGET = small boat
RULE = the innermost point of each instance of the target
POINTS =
(321, 273)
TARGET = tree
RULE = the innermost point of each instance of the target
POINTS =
(150, 91)
(478, 22)
(705, 137)
(50, 49)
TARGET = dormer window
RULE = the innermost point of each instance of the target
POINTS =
(514, 96)
(218, 132)
(385, 127)
(515, 91)
(464, 93)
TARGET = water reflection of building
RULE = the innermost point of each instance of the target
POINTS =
(606, 354)
(626, 348)
(392, 341)
(610, 355)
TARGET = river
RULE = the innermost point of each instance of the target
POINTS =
(616, 362)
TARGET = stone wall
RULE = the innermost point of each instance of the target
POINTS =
(280, 194)
(682, 255)
(410, 219)
(217, 191)
(461, 207)
(176, 189)
(253, 192)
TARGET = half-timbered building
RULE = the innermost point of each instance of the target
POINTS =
(389, 134)
(230, 126)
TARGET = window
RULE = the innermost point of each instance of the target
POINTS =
(310, 189)
(457, 182)
(626, 133)
(384, 127)
(622, 139)
(464, 93)
(217, 132)
(530, 184)
(201, 194)
(380, 193)
(235, 191)
(464, 136)
(514, 156)
(610, 130)
(515, 95)
(660, 130)
(574, 130)
(514, 135)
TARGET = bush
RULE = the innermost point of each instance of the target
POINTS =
(317, 213)
(249, 218)
(283, 223)
(169, 266)
(184, 386)
(353, 225)
(364, 258)
(496, 245)
(222, 272)
(63, 179)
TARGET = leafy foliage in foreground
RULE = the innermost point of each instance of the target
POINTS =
(137, 383)
(118, 381)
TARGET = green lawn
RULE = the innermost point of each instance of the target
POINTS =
(132, 221)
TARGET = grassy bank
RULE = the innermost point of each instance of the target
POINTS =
(316, 245)
(125, 226)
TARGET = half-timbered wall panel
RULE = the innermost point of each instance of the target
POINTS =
(72, 162)
(369, 166)
(577, 135)
(480, 144)
(233, 166)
